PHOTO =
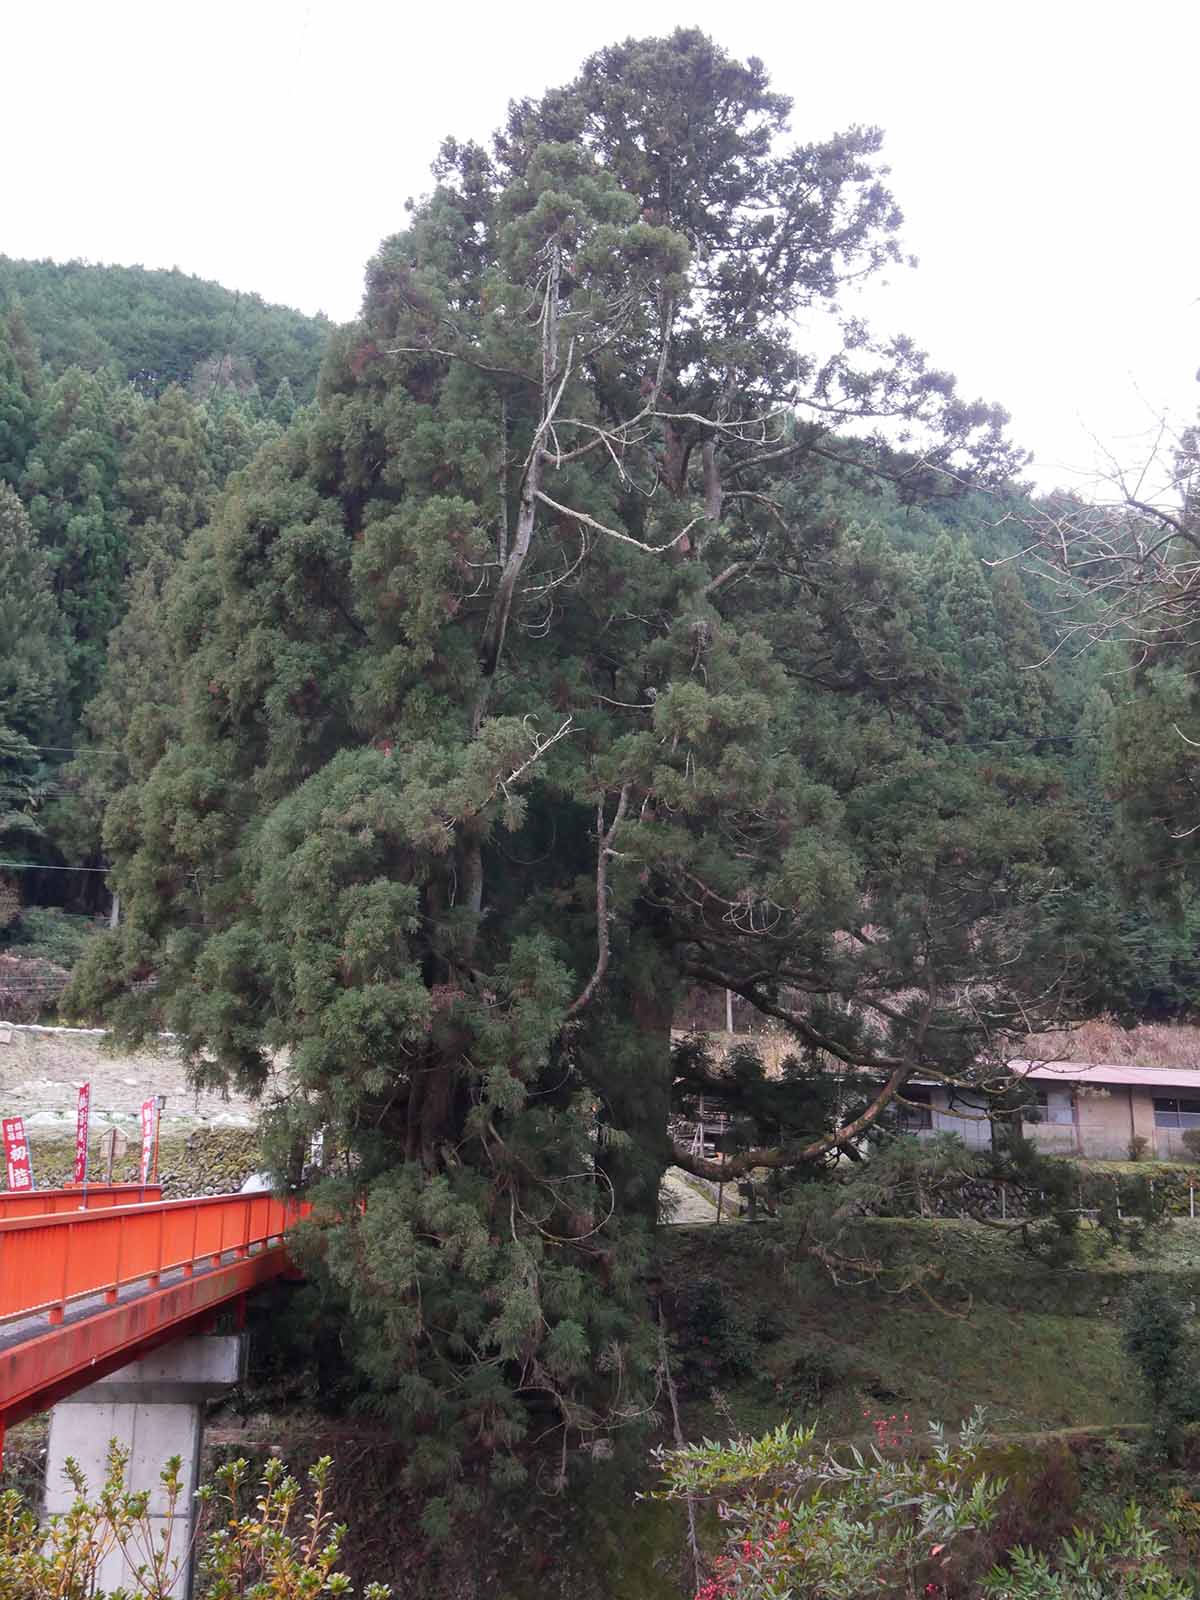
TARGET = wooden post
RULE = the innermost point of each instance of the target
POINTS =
(112, 1151)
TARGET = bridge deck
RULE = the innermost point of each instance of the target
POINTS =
(84, 1293)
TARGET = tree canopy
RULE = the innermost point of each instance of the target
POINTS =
(562, 659)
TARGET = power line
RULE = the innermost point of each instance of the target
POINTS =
(1025, 738)
(38, 866)
(76, 749)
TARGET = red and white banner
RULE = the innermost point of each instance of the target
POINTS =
(81, 1132)
(148, 1112)
(16, 1154)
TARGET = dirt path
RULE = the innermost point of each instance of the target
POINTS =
(691, 1205)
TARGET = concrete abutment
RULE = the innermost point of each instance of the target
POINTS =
(154, 1409)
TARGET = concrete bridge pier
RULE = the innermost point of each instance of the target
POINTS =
(154, 1408)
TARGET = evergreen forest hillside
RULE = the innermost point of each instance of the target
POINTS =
(576, 651)
(158, 328)
(127, 400)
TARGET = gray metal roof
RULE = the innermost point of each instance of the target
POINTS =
(1100, 1072)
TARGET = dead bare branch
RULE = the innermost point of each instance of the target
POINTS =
(615, 533)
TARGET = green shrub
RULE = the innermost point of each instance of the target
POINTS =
(273, 1548)
(818, 1369)
(714, 1340)
(48, 934)
(1152, 1334)
(1122, 1560)
(769, 1324)
(1154, 1338)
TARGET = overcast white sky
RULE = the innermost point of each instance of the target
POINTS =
(1045, 157)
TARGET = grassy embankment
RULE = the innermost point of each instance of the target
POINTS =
(1039, 1348)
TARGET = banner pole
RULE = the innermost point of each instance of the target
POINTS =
(149, 1141)
(87, 1140)
(160, 1101)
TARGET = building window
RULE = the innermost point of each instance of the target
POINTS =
(917, 1114)
(1055, 1105)
(1172, 1113)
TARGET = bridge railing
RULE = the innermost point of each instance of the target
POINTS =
(46, 1262)
(96, 1197)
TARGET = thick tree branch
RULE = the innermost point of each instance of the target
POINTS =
(723, 577)
(775, 1157)
(603, 851)
(865, 1061)
(793, 1156)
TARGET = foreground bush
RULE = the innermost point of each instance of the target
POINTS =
(1122, 1560)
(806, 1522)
(281, 1547)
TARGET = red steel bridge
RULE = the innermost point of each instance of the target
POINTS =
(91, 1283)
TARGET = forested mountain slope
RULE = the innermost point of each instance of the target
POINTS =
(127, 400)
(155, 328)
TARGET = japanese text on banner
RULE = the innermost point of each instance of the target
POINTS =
(148, 1114)
(17, 1155)
(81, 1132)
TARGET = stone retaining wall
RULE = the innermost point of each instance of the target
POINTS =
(205, 1161)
